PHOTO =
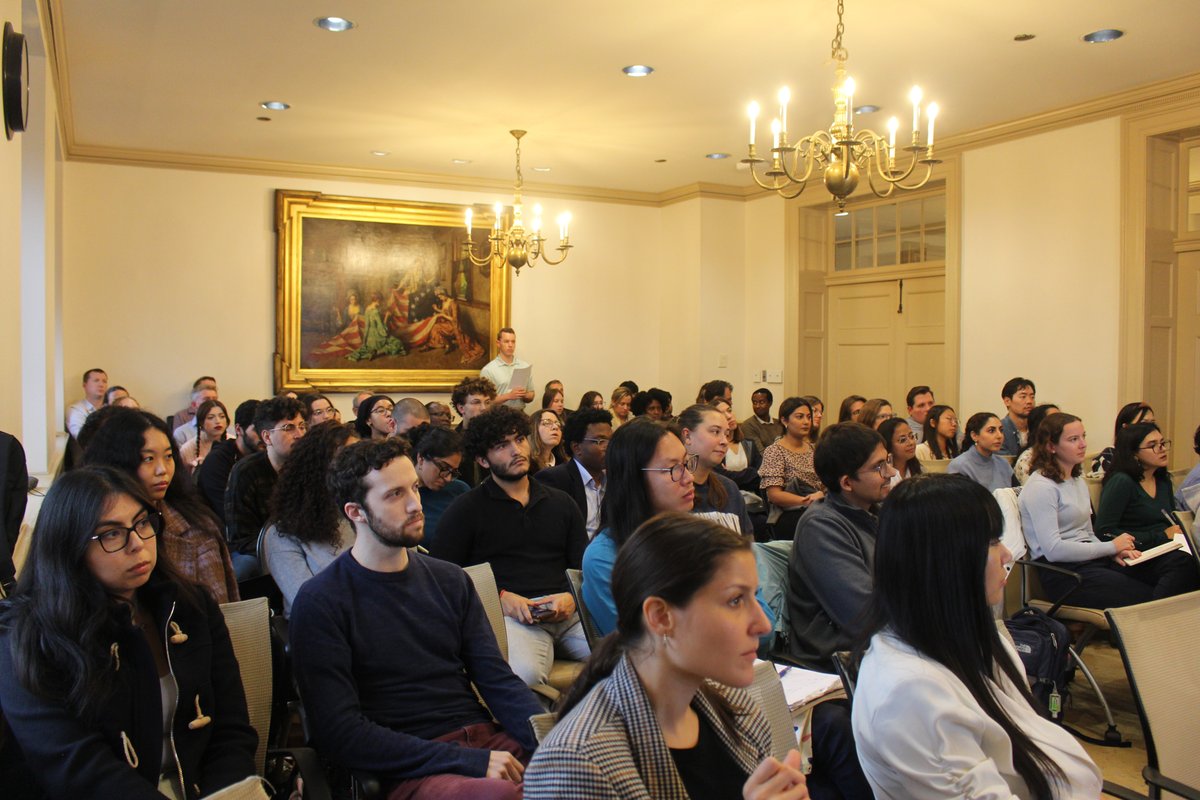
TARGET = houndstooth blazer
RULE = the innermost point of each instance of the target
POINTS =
(610, 745)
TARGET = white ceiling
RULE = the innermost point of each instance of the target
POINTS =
(434, 80)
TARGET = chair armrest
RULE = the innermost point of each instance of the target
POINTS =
(1156, 778)
(311, 770)
(1024, 562)
(1117, 790)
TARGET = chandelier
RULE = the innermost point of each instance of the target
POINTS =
(841, 154)
(515, 246)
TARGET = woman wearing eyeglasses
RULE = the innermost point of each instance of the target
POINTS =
(374, 420)
(119, 676)
(308, 530)
(901, 445)
(438, 455)
(1137, 495)
(546, 443)
(139, 444)
(875, 412)
(647, 473)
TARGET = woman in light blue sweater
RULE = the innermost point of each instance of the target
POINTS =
(980, 462)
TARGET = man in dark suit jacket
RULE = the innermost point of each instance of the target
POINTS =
(586, 435)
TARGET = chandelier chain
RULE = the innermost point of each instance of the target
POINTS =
(837, 52)
(520, 180)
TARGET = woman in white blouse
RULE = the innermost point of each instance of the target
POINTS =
(942, 708)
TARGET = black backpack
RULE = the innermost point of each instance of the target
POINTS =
(1043, 642)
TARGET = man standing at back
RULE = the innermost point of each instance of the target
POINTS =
(280, 424)
(530, 534)
(759, 427)
(95, 384)
(388, 643)
(500, 371)
(920, 400)
(1019, 396)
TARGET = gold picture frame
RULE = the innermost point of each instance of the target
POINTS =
(376, 294)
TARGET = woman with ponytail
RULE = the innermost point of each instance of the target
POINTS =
(653, 714)
(942, 708)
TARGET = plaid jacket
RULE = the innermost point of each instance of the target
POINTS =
(199, 553)
(610, 745)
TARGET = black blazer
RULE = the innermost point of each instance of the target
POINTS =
(565, 477)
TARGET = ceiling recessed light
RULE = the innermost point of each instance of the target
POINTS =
(541, 169)
(1103, 35)
(1024, 37)
(380, 153)
(460, 161)
(637, 70)
(866, 109)
(717, 156)
(333, 24)
(274, 105)
(263, 119)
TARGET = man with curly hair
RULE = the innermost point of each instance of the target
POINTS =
(530, 533)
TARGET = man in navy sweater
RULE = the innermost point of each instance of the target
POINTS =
(388, 642)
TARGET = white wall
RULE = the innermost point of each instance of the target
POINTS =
(170, 274)
(1041, 240)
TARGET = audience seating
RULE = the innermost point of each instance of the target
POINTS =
(542, 724)
(767, 691)
(575, 580)
(935, 466)
(249, 632)
(1160, 646)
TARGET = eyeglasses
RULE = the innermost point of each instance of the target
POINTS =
(384, 410)
(906, 439)
(881, 469)
(884, 417)
(546, 422)
(114, 540)
(597, 442)
(321, 413)
(288, 427)
(677, 472)
(445, 470)
(1162, 445)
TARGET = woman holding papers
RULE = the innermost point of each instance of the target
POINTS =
(653, 714)
(942, 709)
(1137, 495)
(1056, 519)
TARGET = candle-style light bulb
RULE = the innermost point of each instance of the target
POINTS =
(848, 92)
(775, 131)
(498, 209)
(914, 97)
(752, 112)
(931, 113)
(785, 97)
(564, 223)
(468, 223)
(893, 125)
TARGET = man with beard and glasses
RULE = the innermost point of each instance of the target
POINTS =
(212, 476)
(387, 643)
(530, 533)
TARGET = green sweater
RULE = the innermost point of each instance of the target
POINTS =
(1126, 508)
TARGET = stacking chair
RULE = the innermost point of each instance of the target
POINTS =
(935, 465)
(575, 580)
(767, 691)
(1032, 595)
(542, 724)
(1160, 645)
(249, 631)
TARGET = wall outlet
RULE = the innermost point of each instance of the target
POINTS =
(775, 376)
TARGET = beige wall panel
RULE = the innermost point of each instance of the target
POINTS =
(923, 364)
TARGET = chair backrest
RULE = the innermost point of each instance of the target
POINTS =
(847, 669)
(575, 582)
(935, 466)
(1160, 645)
(1094, 486)
(767, 689)
(542, 724)
(249, 623)
(485, 586)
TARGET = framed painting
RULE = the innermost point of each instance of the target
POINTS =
(376, 294)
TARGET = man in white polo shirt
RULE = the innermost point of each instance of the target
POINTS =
(501, 369)
(95, 384)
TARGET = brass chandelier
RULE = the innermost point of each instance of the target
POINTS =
(516, 246)
(841, 154)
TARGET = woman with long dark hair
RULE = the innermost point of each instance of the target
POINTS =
(212, 421)
(942, 708)
(786, 473)
(140, 445)
(851, 408)
(591, 399)
(546, 442)
(981, 461)
(939, 438)
(742, 457)
(119, 676)
(1137, 495)
(705, 435)
(653, 715)
(1056, 517)
(901, 445)
(308, 530)
(818, 414)
(438, 454)
(648, 471)
(1130, 414)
